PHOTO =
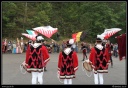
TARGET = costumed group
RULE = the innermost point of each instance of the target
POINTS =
(37, 57)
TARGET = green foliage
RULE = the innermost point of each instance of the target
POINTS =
(68, 17)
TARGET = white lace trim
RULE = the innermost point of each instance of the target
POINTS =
(35, 45)
(67, 51)
(99, 46)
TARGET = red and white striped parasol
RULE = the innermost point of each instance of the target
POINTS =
(31, 37)
(31, 32)
(109, 32)
(47, 31)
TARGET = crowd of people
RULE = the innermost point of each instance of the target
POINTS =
(19, 46)
(12, 47)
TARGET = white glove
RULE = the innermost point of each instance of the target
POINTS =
(87, 60)
(58, 72)
(24, 64)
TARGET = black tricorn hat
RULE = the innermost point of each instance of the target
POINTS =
(98, 39)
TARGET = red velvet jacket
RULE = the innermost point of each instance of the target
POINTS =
(36, 57)
(99, 59)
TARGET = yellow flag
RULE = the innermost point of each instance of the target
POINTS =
(78, 36)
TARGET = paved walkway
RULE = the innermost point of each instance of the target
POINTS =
(11, 74)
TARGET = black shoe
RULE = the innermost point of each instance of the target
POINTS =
(112, 65)
(45, 69)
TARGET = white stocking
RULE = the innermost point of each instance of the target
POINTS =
(101, 78)
(40, 77)
(65, 81)
(69, 81)
(34, 77)
(96, 78)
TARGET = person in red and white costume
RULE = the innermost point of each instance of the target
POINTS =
(36, 59)
(109, 46)
(67, 63)
(99, 60)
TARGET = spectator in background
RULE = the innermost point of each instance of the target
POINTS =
(9, 47)
(25, 46)
(84, 50)
(18, 46)
(47, 46)
(5, 45)
(115, 49)
(55, 47)
(63, 45)
(22, 45)
(58, 36)
(77, 47)
(14, 47)
(109, 46)
(58, 48)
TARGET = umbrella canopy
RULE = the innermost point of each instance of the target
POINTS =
(47, 31)
(31, 37)
(31, 32)
(109, 32)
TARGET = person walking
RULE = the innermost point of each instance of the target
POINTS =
(9, 47)
(46, 45)
(22, 45)
(5, 45)
(109, 46)
(14, 47)
(36, 59)
(99, 60)
(58, 36)
(67, 63)
(63, 45)
(115, 50)
(84, 50)
(18, 47)
(55, 46)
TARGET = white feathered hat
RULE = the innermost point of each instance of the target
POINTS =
(101, 37)
(39, 38)
(70, 42)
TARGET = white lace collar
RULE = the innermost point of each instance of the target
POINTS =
(99, 46)
(35, 45)
(67, 51)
